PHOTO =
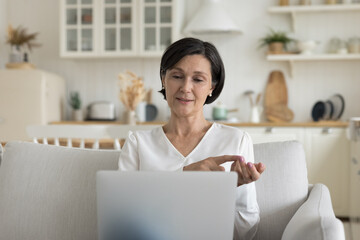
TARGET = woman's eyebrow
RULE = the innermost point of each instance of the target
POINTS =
(195, 72)
(176, 68)
(200, 72)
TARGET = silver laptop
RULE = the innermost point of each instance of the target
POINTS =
(165, 205)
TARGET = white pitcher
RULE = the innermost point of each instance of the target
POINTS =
(255, 114)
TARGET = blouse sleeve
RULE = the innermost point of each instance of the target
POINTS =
(129, 157)
(247, 216)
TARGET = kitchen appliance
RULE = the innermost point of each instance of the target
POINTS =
(354, 136)
(28, 97)
(101, 111)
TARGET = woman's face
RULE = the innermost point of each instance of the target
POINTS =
(187, 85)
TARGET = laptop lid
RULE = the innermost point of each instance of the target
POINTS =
(166, 205)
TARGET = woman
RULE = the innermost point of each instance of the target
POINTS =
(192, 74)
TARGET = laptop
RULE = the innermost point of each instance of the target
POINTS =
(165, 205)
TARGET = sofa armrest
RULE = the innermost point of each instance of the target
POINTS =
(315, 219)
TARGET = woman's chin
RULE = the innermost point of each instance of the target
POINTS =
(181, 112)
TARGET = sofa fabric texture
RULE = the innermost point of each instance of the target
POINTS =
(49, 192)
(282, 188)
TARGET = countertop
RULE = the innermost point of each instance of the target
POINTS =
(240, 124)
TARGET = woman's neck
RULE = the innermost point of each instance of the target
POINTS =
(184, 126)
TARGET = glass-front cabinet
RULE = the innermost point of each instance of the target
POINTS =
(101, 28)
(118, 27)
(78, 28)
(156, 25)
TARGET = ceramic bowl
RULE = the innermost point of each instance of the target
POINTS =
(307, 47)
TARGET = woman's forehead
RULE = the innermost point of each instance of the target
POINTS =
(195, 63)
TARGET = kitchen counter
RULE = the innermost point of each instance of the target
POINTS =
(242, 124)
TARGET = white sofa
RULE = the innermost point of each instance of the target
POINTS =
(48, 193)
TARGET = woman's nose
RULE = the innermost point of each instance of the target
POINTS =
(187, 85)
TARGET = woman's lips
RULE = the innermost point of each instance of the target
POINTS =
(184, 100)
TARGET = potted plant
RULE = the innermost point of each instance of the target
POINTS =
(75, 103)
(276, 41)
(18, 38)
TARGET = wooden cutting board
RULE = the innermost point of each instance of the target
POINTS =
(279, 113)
(276, 91)
(276, 99)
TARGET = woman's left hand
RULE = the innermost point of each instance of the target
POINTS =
(247, 172)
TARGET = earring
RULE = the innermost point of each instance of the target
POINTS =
(210, 95)
(163, 88)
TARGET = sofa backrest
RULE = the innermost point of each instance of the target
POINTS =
(282, 188)
(49, 192)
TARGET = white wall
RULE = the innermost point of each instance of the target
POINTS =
(3, 32)
(246, 67)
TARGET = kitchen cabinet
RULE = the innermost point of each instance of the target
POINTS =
(78, 28)
(118, 28)
(328, 151)
(274, 134)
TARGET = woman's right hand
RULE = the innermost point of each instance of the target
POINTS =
(211, 163)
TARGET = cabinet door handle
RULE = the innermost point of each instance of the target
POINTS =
(269, 130)
(354, 160)
(327, 130)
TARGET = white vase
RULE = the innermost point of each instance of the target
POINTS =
(255, 114)
(130, 117)
(15, 54)
(141, 111)
(77, 115)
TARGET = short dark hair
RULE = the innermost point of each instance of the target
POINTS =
(192, 46)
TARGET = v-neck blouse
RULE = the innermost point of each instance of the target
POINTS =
(151, 150)
(176, 150)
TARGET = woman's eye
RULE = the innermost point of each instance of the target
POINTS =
(198, 80)
(176, 76)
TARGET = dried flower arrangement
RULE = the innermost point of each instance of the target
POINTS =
(132, 90)
(19, 37)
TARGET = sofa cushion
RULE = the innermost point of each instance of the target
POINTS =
(282, 188)
(49, 192)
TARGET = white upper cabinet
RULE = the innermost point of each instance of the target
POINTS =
(118, 28)
(78, 28)
(156, 25)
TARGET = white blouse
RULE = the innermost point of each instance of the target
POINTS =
(151, 150)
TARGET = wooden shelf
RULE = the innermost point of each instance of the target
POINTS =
(294, 10)
(314, 57)
(314, 8)
(240, 124)
(291, 58)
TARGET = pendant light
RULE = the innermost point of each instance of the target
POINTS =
(211, 18)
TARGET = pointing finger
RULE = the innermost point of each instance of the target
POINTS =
(226, 158)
